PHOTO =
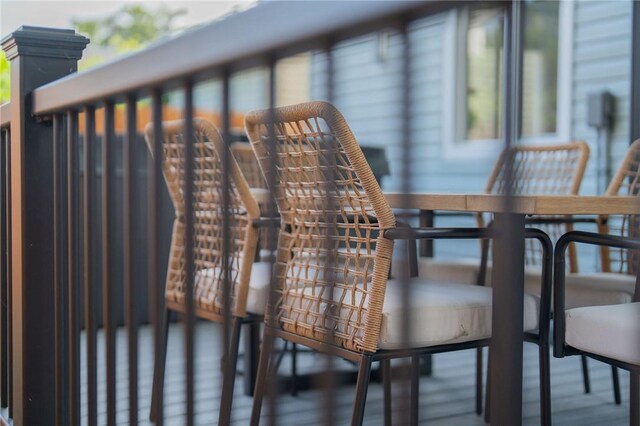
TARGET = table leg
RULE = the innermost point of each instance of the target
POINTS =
(507, 319)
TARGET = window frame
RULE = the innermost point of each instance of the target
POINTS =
(454, 89)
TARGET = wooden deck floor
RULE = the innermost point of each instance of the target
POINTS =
(447, 397)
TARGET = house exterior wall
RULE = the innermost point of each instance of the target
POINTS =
(601, 61)
(368, 92)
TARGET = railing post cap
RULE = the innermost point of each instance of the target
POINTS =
(44, 42)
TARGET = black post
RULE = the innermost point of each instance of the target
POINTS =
(37, 56)
(635, 72)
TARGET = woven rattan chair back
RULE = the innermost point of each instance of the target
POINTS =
(542, 170)
(246, 158)
(248, 163)
(333, 260)
(209, 220)
(625, 182)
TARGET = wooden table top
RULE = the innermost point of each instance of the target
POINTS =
(523, 204)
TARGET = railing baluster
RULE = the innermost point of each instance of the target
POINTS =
(408, 398)
(7, 225)
(4, 256)
(72, 293)
(108, 142)
(89, 299)
(59, 230)
(127, 227)
(328, 380)
(156, 293)
(226, 288)
(189, 317)
(272, 236)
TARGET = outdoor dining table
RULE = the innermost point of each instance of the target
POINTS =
(508, 298)
(508, 306)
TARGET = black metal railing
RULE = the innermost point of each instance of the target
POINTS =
(81, 208)
(5, 261)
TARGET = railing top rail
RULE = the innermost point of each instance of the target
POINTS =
(238, 42)
(5, 114)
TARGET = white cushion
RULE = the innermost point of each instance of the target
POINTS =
(584, 289)
(467, 270)
(258, 285)
(612, 331)
(443, 313)
(598, 288)
(463, 271)
(259, 288)
(587, 289)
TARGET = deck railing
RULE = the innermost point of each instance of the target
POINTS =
(59, 243)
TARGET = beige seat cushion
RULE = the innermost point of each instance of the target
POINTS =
(463, 271)
(598, 288)
(259, 288)
(443, 313)
(612, 331)
(584, 289)
(467, 270)
(440, 313)
(587, 289)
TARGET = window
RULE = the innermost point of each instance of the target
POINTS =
(476, 74)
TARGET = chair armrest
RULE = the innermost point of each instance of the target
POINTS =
(592, 238)
(536, 220)
(408, 233)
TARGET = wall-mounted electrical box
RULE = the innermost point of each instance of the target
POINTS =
(600, 110)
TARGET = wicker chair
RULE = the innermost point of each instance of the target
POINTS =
(616, 283)
(248, 164)
(250, 168)
(550, 170)
(334, 253)
(608, 333)
(249, 281)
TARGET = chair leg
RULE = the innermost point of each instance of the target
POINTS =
(294, 370)
(261, 378)
(487, 397)
(585, 374)
(615, 377)
(385, 365)
(479, 371)
(362, 385)
(158, 367)
(634, 403)
(415, 390)
(229, 375)
(251, 355)
(545, 385)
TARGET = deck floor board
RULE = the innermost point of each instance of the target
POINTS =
(446, 398)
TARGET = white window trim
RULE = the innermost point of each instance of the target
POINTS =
(452, 96)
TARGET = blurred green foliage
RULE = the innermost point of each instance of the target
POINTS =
(130, 28)
(4, 78)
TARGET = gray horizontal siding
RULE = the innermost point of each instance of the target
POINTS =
(601, 61)
(368, 92)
